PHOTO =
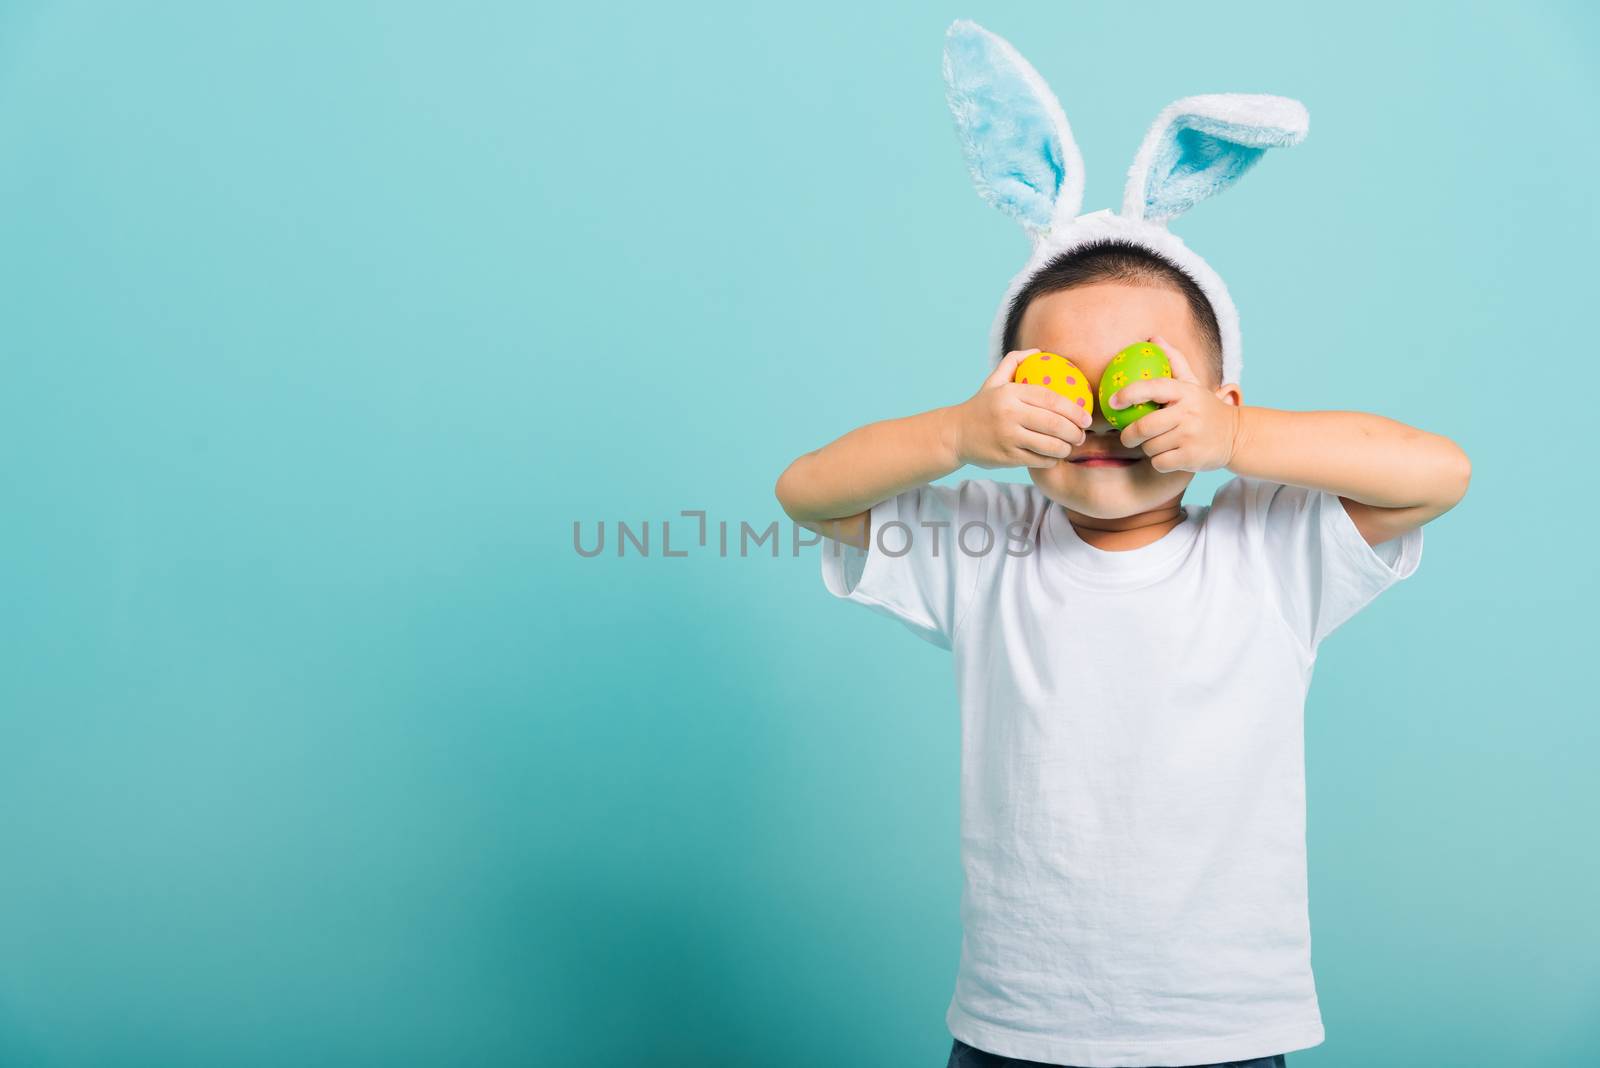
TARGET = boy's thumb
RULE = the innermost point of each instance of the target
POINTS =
(1006, 370)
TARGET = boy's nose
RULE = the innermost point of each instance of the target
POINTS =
(1099, 421)
(1099, 424)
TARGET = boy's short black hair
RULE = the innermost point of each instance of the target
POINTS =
(1110, 260)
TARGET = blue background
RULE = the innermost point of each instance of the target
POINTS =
(320, 326)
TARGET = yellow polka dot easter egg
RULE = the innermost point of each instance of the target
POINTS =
(1057, 373)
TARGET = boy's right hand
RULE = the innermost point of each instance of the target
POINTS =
(1012, 424)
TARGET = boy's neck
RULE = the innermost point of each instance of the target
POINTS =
(1128, 532)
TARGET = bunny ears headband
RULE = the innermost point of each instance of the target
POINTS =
(1024, 161)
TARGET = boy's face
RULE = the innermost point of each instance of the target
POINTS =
(1089, 325)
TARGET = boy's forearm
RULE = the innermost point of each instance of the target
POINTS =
(1365, 457)
(869, 464)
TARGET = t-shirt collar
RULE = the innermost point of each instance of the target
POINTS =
(1110, 569)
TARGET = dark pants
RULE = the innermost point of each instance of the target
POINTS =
(965, 1056)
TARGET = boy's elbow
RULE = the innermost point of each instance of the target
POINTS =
(779, 490)
(1463, 472)
(785, 490)
(1456, 478)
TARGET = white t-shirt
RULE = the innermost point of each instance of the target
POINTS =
(1132, 758)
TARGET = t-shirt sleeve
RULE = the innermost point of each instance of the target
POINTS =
(1323, 570)
(914, 569)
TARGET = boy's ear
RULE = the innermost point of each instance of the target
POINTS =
(1200, 145)
(1018, 145)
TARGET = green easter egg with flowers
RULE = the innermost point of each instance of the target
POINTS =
(1136, 362)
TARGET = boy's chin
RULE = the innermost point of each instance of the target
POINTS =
(1109, 492)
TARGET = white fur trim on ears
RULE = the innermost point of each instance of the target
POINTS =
(1103, 225)
(1069, 197)
(1246, 122)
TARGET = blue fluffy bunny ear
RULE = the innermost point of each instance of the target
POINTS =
(1200, 145)
(1018, 145)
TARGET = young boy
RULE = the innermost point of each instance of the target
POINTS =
(1132, 670)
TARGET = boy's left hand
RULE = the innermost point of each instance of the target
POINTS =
(1195, 429)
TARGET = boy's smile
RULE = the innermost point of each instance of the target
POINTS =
(1097, 451)
(1104, 485)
